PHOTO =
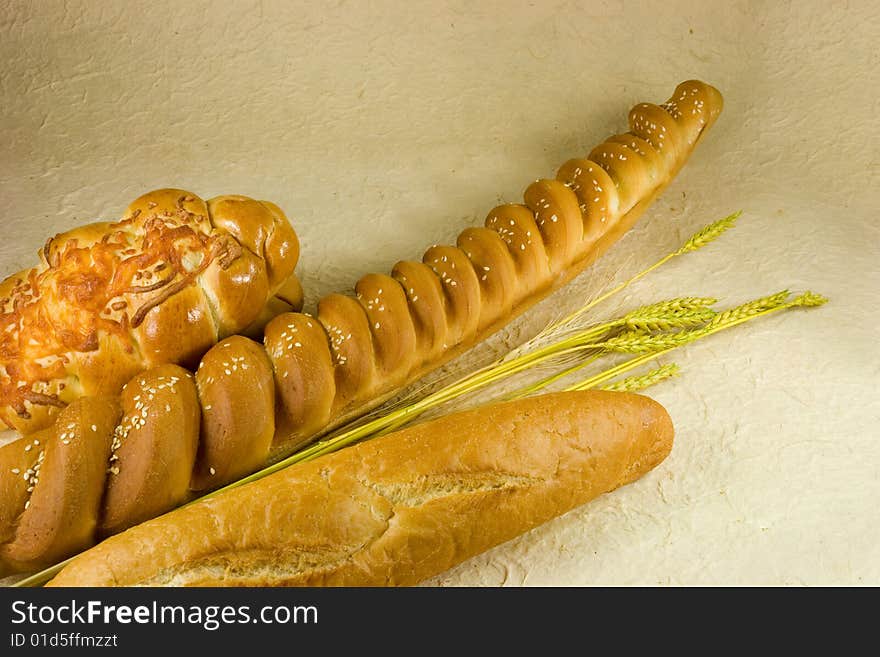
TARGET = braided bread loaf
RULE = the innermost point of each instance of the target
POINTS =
(173, 433)
(356, 352)
(163, 284)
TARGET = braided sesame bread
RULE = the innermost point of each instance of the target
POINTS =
(161, 285)
(247, 404)
(356, 352)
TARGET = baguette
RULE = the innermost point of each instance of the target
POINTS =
(161, 285)
(257, 403)
(397, 509)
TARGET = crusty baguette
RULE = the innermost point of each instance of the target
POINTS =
(161, 285)
(316, 372)
(397, 509)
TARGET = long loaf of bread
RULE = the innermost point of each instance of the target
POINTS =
(397, 509)
(248, 403)
(161, 285)
(357, 351)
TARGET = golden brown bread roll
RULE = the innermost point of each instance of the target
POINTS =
(359, 350)
(397, 509)
(236, 391)
(65, 479)
(161, 285)
(154, 447)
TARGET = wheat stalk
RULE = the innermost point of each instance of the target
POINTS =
(675, 313)
(708, 234)
(698, 240)
(636, 342)
(650, 346)
(743, 313)
(642, 381)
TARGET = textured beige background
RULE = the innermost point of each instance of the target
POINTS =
(384, 127)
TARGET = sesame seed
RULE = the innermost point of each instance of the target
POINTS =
(212, 471)
(94, 428)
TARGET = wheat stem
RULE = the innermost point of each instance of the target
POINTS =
(709, 233)
(730, 318)
(698, 240)
(543, 383)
